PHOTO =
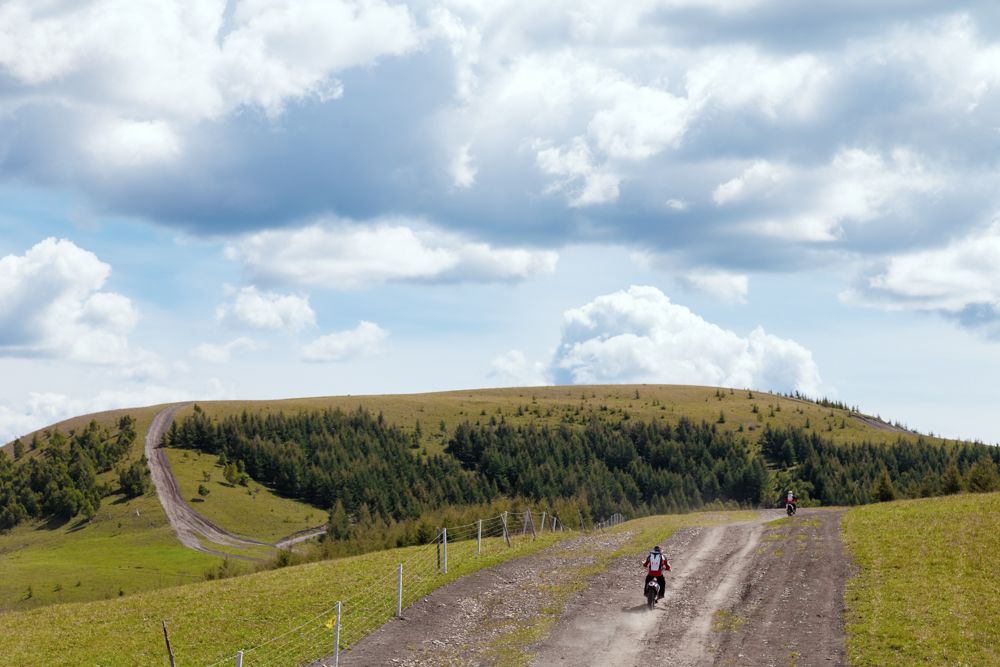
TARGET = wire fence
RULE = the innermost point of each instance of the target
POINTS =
(319, 639)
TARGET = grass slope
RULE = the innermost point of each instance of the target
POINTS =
(251, 511)
(211, 620)
(575, 405)
(117, 552)
(927, 590)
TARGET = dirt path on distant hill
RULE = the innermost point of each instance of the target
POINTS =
(187, 523)
(738, 594)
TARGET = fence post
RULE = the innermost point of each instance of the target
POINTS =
(336, 638)
(438, 545)
(166, 638)
(524, 525)
(479, 537)
(399, 592)
(532, 523)
(444, 532)
(506, 535)
(553, 523)
(542, 524)
(239, 659)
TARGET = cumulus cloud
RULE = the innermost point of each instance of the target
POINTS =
(343, 255)
(221, 353)
(363, 340)
(721, 285)
(585, 182)
(51, 305)
(182, 59)
(960, 280)
(513, 369)
(268, 310)
(857, 187)
(639, 335)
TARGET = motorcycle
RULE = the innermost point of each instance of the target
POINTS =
(790, 508)
(652, 592)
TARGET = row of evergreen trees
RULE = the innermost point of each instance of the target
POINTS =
(359, 465)
(60, 481)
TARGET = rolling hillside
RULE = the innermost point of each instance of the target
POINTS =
(131, 548)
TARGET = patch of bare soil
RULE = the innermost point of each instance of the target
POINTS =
(791, 610)
(471, 620)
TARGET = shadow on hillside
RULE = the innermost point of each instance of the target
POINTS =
(639, 609)
(53, 523)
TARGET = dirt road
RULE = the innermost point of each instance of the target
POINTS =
(738, 594)
(187, 523)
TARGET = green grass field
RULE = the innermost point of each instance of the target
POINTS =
(927, 591)
(117, 552)
(252, 511)
(211, 620)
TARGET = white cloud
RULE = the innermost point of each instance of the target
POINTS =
(175, 58)
(50, 305)
(757, 179)
(221, 353)
(858, 186)
(638, 335)
(677, 205)
(268, 310)
(722, 285)
(365, 339)
(962, 276)
(513, 369)
(121, 143)
(137, 78)
(586, 183)
(463, 171)
(343, 255)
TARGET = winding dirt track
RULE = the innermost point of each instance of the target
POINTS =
(738, 594)
(187, 523)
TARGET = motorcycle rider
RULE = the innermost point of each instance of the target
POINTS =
(656, 564)
(790, 499)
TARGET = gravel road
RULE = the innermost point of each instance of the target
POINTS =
(738, 594)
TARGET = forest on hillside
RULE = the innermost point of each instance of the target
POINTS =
(56, 477)
(358, 465)
(633, 466)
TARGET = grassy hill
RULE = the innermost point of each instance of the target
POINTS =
(128, 547)
(927, 590)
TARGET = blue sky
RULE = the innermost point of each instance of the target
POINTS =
(261, 199)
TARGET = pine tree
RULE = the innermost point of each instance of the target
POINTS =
(951, 482)
(884, 490)
(982, 476)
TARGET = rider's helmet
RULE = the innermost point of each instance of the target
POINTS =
(656, 549)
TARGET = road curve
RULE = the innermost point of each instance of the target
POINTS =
(186, 523)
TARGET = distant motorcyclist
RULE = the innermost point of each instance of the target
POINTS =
(791, 501)
(656, 564)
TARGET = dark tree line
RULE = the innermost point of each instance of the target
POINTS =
(857, 473)
(359, 466)
(61, 480)
(327, 456)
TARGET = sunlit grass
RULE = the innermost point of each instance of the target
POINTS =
(927, 590)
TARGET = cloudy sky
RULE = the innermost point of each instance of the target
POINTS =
(264, 199)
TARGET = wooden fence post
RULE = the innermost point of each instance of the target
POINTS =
(506, 535)
(166, 638)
